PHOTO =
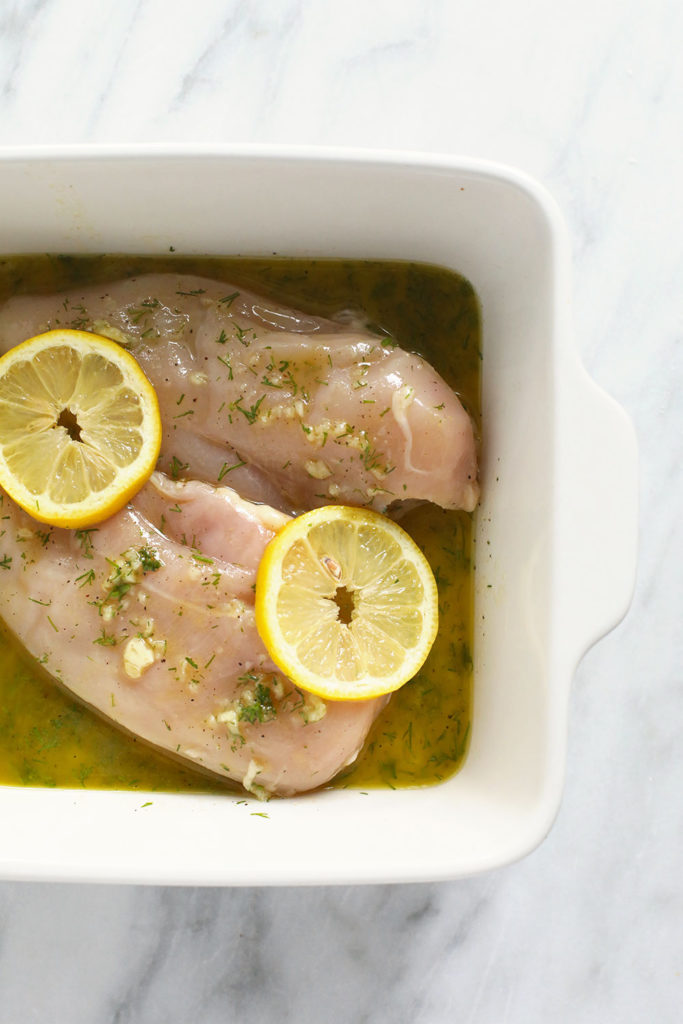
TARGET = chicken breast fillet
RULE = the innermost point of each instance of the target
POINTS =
(149, 618)
(299, 410)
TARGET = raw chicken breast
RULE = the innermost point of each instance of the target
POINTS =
(149, 618)
(286, 403)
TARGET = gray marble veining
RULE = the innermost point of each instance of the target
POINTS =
(586, 96)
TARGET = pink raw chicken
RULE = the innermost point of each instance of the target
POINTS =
(149, 618)
(298, 410)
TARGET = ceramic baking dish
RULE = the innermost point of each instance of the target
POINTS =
(556, 531)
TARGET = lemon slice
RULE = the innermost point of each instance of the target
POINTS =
(346, 603)
(80, 429)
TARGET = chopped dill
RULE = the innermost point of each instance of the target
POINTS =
(225, 469)
(105, 639)
(261, 708)
(84, 538)
(226, 362)
(251, 414)
(177, 467)
(150, 561)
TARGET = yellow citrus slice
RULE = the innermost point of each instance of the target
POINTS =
(346, 603)
(80, 429)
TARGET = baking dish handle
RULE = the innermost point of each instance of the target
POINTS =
(597, 512)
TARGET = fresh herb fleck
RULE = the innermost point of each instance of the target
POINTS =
(261, 709)
(105, 639)
(225, 469)
(251, 414)
(148, 558)
(226, 362)
(199, 557)
(177, 467)
(84, 538)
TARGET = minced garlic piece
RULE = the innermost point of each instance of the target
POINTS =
(127, 568)
(317, 469)
(279, 412)
(186, 670)
(253, 770)
(357, 441)
(108, 330)
(230, 720)
(277, 688)
(138, 655)
(314, 708)
(234, 608)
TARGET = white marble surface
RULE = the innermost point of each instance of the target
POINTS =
(587, 97)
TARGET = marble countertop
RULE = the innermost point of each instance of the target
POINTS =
(586, 97)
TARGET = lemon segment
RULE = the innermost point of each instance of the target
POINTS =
(80, 429)
(346, 603)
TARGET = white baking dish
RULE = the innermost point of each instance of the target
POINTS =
(556, 534)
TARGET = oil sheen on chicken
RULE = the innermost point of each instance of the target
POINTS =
(149, 619)
(299, 410)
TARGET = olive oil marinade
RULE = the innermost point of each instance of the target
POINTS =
(48, 739)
